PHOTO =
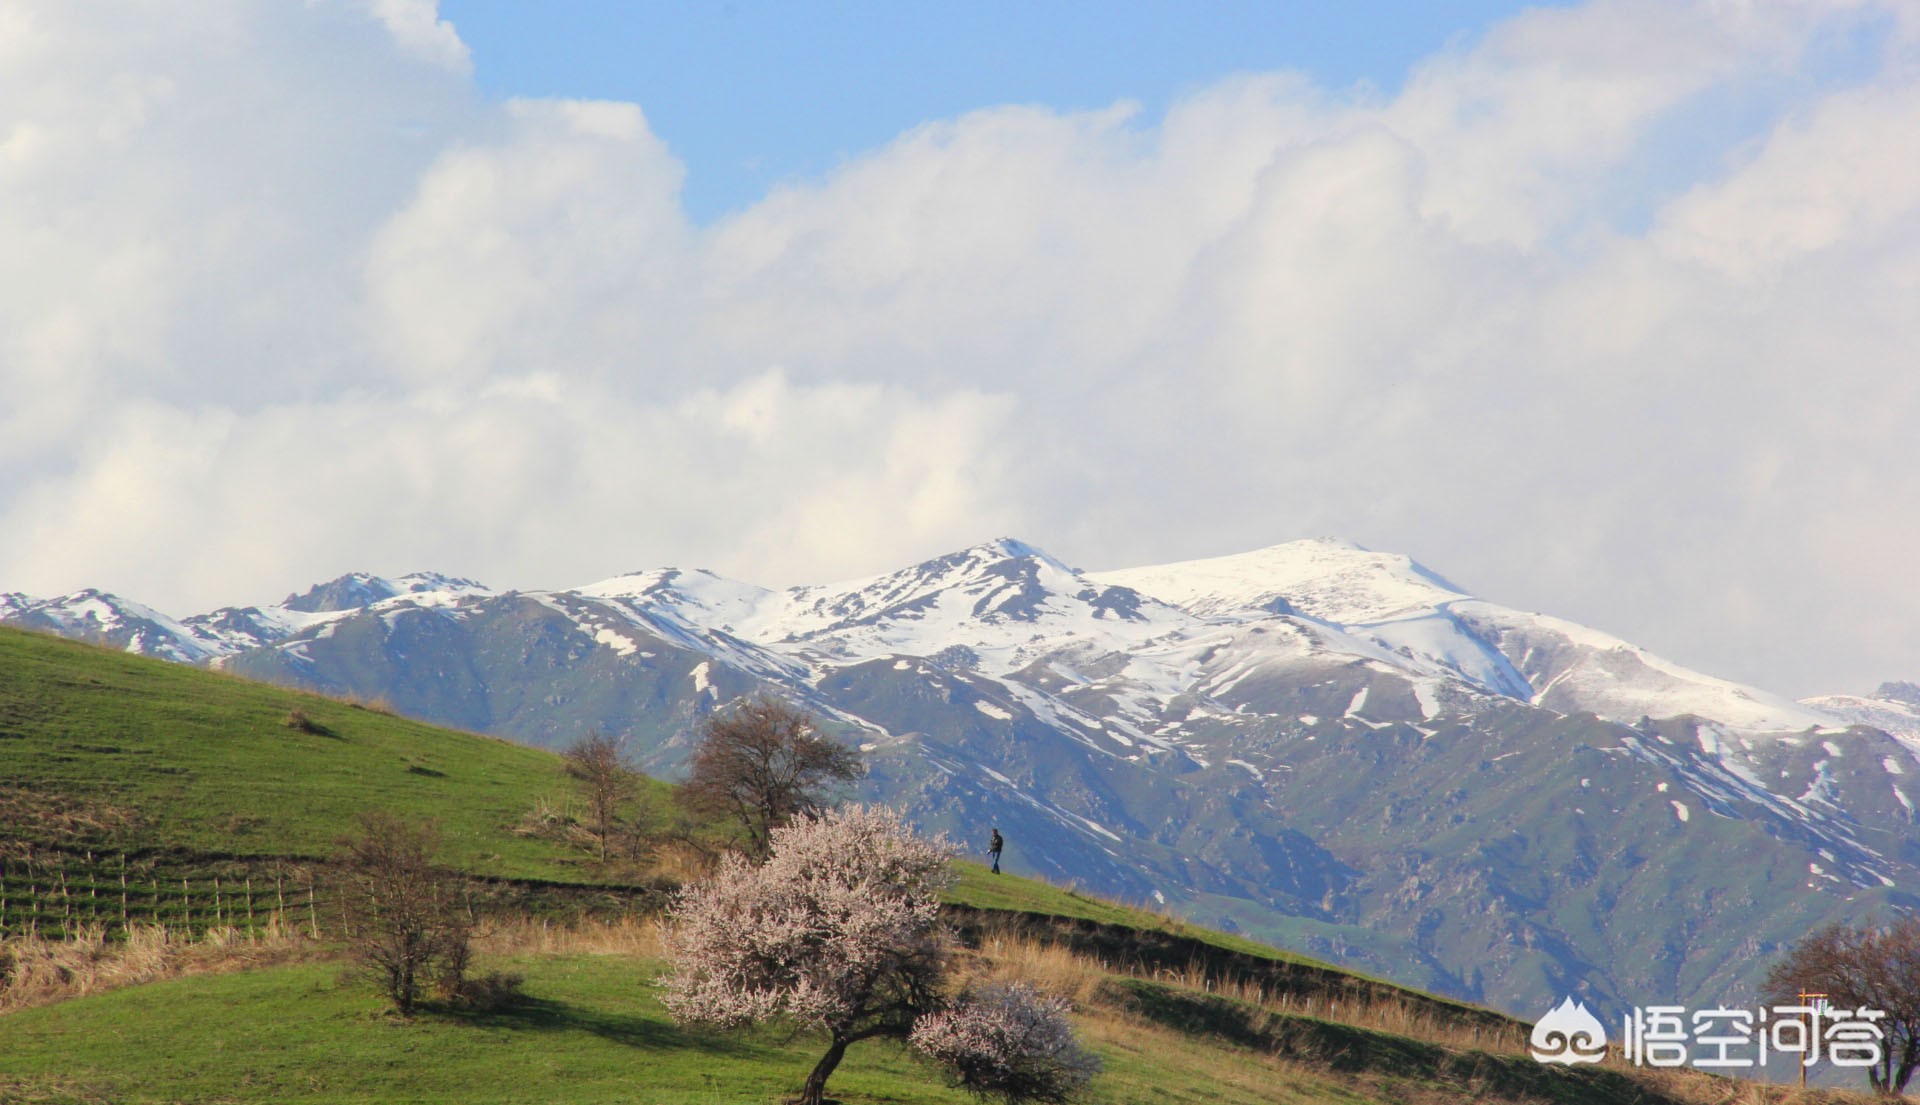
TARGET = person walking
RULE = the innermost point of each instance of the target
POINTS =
(993, 849)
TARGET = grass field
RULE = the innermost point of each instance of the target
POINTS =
(592, 1030)
(107, 749)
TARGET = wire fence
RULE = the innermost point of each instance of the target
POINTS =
(53, 895)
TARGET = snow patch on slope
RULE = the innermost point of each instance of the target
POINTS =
(1333, 581)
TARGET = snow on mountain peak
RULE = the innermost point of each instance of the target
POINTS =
(357, 590)
(96, 615)
(999, 567)
(347, 592)
(1396, 603)
(1006, 600)
(1013, 548)
(1902, 692)
(1894, 708)
(1157, 631)
(1333, 581)
(414, 583)
(695, 597)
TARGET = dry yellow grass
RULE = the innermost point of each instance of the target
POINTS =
(638, 937)
(684, 861)
(1052, 968)
(1696, 1088)
(1076, 976)
(36, 971)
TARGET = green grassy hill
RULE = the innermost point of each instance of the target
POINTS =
(121, 776)
(106, 750)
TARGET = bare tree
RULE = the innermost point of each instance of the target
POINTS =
(606, 780)
(402, 910)
(1862, 967)
(839, 932)
(763, 762)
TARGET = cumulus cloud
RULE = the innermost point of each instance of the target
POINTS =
(1607, 313)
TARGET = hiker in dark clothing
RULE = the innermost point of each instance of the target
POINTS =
(993, 850)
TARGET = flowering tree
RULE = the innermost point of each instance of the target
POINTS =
(838, 931)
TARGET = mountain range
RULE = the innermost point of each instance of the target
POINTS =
(1320, 745)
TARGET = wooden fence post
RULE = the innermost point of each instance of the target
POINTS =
(66, 901)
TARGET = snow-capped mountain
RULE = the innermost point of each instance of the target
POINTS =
(208, 638)
(1327, 746)
(1895, 708)
(109, 620)
(359, 589)
(1009, 606)
(1397, 604)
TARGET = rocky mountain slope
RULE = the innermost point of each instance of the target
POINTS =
(1323, 745)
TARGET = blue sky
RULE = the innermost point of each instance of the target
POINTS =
(750, 93)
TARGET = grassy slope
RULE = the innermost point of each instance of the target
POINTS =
(594, 1032)
(975, 885)
(207, 763)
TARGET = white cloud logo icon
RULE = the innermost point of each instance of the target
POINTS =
(1569, 1034)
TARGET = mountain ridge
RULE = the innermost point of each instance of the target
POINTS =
(1317, 743)
(1393, 597)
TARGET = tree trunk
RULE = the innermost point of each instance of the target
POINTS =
(816, 1088)
(1899, 1066)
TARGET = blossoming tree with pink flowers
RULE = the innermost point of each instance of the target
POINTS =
(839, 931)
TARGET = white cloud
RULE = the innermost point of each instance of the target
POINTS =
(281, 296)
(556, 243)
(1847, 172)
(535, 484)
(416, 26)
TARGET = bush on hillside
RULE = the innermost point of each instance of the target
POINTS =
(406, 924)
(302, 722)
(598, 764)
(1011, 1042)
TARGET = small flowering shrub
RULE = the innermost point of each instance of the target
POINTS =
(1010, 1042)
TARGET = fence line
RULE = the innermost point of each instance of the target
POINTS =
(54, 895)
